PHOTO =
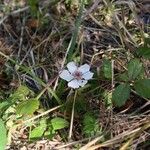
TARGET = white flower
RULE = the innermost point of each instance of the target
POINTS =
(76, 76)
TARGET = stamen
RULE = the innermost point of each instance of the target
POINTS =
(77, 75)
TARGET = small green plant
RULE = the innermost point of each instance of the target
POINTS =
(20, 95)
(34, 7)
(17, 105)
(48, 128)
(38, 131)
(90, 125)
(132, 80)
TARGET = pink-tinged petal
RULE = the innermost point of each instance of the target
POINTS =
(73, 84)
(82, 82)
(84, 68)
(72, 67)
(88, 75)
(65, 74)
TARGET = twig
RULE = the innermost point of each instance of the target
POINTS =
(63, 63)
(122, 26)
(21, 37)
(112, 74)
(72, 143)
(93, 7)
(71, 46)
(121, 137)
(38, 116)
(85, 147)
(14, 13)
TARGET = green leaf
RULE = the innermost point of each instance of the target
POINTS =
(20, 94)
(49, 133)
(59, 123)
(142, 87)
(3, 137)
(107, 96)
(38, 131)
(121, 94)
(107, 69)
(124, 77)
(27, 107)
(144, 52)
(90, 125)
(134, 69)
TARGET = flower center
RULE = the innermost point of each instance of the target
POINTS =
(77, 75)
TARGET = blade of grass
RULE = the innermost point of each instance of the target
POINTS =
(72, 43)
(69, 53)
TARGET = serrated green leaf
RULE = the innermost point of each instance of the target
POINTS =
(59, 123)
(107, 95)
(3, 137)
(124, 77)
(134, 69)
(90, 125)
(23, 90)
(27, 107)
(107, 69)
(20, 94)
(121, 94)
(142, 87)
(144, 52)
(38, 131)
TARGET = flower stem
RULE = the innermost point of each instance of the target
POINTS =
(72, 116)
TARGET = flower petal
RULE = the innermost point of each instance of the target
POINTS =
(65, 74)
(74, 84)
(82, 82)
(84, 68)
(88, 75)
(72, 67)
